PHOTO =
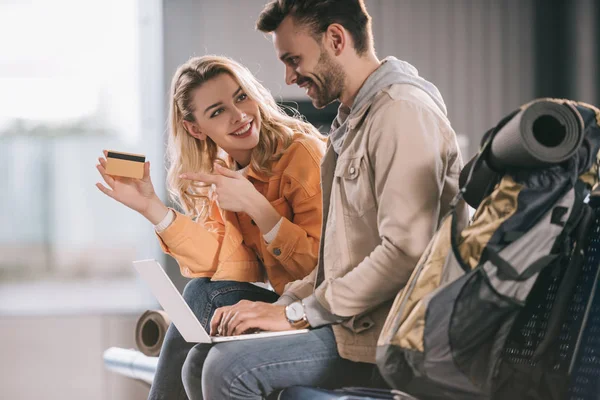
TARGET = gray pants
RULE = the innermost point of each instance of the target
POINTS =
(252, 369)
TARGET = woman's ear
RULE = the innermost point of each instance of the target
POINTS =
(193, 129)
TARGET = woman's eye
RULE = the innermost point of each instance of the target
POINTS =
(216, 113)
(242, 97)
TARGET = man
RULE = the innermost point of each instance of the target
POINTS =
(389, 174)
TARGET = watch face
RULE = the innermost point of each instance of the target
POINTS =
(295, 312)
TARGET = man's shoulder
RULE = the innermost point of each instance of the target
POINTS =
(405, 108)
(399, 97)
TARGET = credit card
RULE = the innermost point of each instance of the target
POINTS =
(126, 165)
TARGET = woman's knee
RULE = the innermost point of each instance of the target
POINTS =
(196, 288)
(206, 290)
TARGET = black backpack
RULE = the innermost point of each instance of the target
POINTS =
(446, 331)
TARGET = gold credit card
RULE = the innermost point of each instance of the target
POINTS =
(125, 164)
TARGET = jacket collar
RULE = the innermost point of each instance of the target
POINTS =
(251, 173)
(357, 117)
(259, 176)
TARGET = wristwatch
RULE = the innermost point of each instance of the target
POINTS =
(296, 316)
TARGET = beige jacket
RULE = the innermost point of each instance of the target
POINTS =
(391, 185)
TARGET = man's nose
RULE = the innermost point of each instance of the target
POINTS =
(291, 77)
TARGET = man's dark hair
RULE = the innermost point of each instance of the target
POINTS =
(317, 15)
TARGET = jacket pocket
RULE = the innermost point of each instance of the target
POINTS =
(355, 185)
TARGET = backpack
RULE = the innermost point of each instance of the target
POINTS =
(546, 339)
(447, 328)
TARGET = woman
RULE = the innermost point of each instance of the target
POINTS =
(247, 178)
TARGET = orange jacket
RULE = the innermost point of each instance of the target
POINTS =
(229, 246)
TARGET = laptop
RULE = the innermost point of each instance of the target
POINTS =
(180, 312)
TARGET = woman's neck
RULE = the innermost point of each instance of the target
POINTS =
(242, 157)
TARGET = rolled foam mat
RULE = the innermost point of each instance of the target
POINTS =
(150, 331)
(546, 132)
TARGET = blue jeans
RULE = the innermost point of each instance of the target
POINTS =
(253, 369)
(203, 297)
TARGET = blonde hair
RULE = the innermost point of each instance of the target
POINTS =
(188, 154)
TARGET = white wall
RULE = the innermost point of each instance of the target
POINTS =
(60, 357)
(587, 81)
(222, 27)
(478, 52)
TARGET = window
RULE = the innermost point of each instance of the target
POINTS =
(75, 78)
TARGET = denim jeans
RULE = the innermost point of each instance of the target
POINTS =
(253, 369)
(204, 297)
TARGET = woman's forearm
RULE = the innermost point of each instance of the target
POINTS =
(156, 211)
(263, 213)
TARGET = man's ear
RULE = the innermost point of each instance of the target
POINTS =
(336, 38)
(194, 130)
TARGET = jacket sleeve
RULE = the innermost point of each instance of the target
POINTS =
(298, 290)
(196, 246)
(296, 245)
(405, 154)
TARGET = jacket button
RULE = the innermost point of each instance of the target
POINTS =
(277, 252)
(352, 170)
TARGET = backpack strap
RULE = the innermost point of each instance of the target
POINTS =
(507, 272)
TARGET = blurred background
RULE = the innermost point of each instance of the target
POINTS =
(79, 76)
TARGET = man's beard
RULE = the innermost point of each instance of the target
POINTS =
(330, 83)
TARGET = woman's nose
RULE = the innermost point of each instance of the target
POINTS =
(239, 116)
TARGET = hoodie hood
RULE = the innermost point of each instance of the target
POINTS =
(391, 72)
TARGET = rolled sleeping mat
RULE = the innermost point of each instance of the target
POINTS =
(150, 331)
(545, 133)
(481, 181)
